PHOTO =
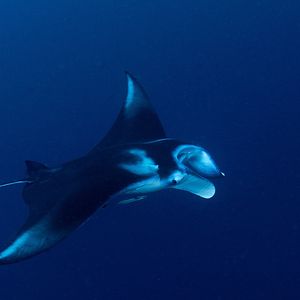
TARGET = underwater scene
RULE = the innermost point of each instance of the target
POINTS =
(149, 150)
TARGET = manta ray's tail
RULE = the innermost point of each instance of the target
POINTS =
(14, 182)
(34, 170)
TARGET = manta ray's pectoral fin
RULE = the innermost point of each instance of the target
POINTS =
(196, 185)
(137, 120)
(46, 226)
(30, 241)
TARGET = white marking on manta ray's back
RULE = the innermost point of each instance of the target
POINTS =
(142, 164)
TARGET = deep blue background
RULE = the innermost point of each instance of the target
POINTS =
(224, 74)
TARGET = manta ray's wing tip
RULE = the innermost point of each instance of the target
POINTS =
(128, 74)
(131, 78)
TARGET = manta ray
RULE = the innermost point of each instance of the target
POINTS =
(133, 159)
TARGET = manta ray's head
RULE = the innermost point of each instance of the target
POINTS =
(195, 170)
(197, 161)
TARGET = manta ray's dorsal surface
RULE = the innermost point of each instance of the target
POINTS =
(134, 158)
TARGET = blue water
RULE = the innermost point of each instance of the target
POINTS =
(224, 74)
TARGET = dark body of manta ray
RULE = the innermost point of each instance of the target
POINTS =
(134, 158)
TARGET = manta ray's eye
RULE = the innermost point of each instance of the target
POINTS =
(175, 177)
